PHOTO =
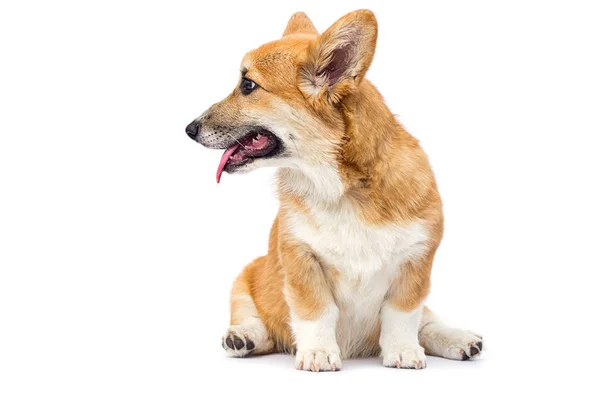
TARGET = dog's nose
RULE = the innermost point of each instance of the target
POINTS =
(193, 129)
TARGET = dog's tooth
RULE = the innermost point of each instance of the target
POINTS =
(258, 136)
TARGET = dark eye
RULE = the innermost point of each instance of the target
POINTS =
(247, 86)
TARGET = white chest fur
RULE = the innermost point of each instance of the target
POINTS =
(367, 258)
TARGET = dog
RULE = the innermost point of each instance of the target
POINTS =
(351, 250)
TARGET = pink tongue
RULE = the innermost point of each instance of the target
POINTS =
(224, 160)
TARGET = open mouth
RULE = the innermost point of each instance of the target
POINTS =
(257, 144)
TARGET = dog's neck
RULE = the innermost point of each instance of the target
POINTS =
(372, 136)
(314, 184)
(372, 133)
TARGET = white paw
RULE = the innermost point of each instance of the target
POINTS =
(463, 345)
(405, 356)
(451, 343)
(318, 360)
(239, 341)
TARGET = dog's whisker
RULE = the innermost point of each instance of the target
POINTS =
(243, 146)
(298, 152)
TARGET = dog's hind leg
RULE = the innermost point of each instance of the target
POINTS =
(440, 340)
(247, 334)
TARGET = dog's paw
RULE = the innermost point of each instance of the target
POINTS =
(406, 356)
(450, 343)
(318, 360)
(238, 341)
(465, 345)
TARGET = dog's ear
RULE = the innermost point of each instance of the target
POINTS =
(300, 23)
(338, 60)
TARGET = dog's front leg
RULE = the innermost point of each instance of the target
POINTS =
(313, 311)
(401, 316)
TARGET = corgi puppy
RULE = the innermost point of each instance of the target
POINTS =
(350, 252)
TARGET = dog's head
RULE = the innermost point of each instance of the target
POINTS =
(287, 108)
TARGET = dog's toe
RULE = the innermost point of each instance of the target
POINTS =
(237, 342)
(473, 349)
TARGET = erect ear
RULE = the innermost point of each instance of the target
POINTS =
(300, 23)
(338, 60)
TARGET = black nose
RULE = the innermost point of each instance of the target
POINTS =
(193, 129)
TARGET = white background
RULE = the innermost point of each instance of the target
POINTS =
(118, 249)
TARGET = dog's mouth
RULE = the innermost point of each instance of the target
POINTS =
(257, 144)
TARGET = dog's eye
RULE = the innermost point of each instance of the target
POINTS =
(247, 86)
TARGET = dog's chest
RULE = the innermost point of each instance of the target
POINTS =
(366, 259)
(357, 250)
